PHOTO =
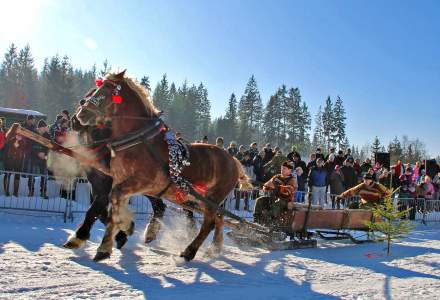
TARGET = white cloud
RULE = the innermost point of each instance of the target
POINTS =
(90, 44)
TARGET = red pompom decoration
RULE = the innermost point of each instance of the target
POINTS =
(117, 99)
(180, 196)
(98, 82)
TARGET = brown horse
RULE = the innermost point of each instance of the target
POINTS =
(140, 165)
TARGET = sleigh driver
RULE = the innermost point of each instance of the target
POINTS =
(370, 192)
(280, 191)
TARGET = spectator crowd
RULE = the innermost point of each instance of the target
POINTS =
(333, 172)
(324, 173)
(18, 154)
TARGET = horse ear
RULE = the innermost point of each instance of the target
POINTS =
(120, 76)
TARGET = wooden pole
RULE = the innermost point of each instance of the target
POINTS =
(17, 129)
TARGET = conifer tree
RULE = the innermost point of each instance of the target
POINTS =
(328, 125)
(250, 112)
(8, 77)
(272, 121)
(294, 119)
(304, 128)
(161, 97)
(391, 225)
(173, 91)
(339, 124)
(203, 110)
(318, 131)
(145, 82)
(376, 146)
(105, 69)
(231, 118)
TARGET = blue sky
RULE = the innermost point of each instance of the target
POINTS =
(381, 57)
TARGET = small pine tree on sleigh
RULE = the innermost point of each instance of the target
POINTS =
(392, 225)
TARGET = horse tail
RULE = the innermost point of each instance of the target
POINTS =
(243, 180)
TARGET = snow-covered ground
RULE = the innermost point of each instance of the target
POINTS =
(34, 266)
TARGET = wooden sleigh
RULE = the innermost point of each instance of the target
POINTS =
(305, 223)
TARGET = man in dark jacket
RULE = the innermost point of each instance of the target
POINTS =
(29, 154)
(268, 154)
(339, 159)
(318, 153)
(259, 168)
(318, 182)
(349, 174)
(366, 165)
(311, 163)
(41, 158)
(332, 151)
(232, 149)
(297, 162)
(253, 150)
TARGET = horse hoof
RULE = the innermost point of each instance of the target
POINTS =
(74, 243)
(188, 254)
(149, 239)
(130, 230)
(214, 250)
(101, 256)
(121, 242)
(152, 230)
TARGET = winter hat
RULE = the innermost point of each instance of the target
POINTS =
(287, 164)
(337, 167)
(41, 124)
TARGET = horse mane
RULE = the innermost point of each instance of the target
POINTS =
(139, 90)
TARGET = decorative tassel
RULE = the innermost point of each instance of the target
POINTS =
(180, 196)
(117, 99)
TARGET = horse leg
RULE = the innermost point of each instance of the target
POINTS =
(121, 219)
(154, 225)
(207, 226)
(217, 243)
(101, 187)
(82, 234)
(191, 222)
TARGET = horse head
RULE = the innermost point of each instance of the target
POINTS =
(119, 99)
(97, 101)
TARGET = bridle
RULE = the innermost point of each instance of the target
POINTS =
(97, 101)
(154, 124)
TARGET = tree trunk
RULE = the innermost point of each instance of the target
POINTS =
(389, 244)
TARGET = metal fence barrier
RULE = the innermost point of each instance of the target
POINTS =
(70, 197)
(35, 193)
